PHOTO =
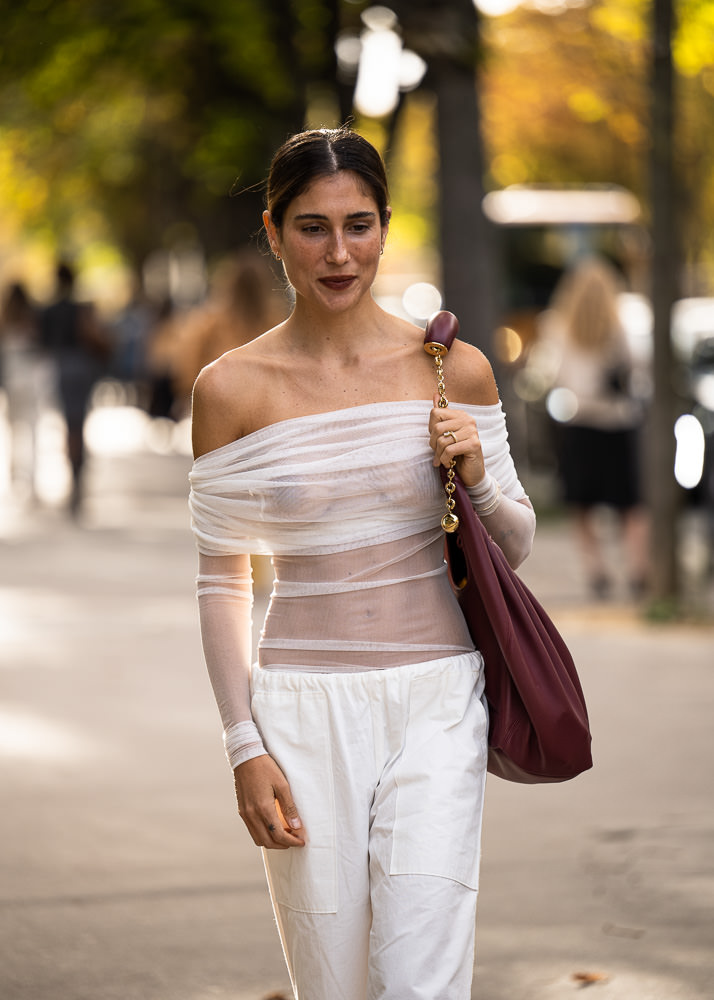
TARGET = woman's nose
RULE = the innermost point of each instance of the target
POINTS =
(337, 251)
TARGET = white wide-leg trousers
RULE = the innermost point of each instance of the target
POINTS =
(387, 768)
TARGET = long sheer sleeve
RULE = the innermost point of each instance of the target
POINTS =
(224, 589)
(510, 523)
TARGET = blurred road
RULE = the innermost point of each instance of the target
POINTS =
(126, 873)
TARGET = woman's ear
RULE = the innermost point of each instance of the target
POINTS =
(386, 217)
(272, 233)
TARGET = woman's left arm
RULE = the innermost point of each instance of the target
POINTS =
(510, 523)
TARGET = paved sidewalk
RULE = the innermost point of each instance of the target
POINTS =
(125, 873)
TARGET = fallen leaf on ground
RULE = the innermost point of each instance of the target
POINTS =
(588, 978)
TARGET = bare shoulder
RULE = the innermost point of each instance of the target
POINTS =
(224, 396)
(469, 375)
(211, 406)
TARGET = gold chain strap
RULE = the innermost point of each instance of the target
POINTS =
(449, 521)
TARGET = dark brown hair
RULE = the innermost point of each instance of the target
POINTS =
(321, 153)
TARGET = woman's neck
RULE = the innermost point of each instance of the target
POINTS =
(340, 335)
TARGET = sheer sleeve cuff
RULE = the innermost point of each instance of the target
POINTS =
(510, 523)
(242, 742)
(485, 496)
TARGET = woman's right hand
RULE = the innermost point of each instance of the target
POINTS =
(266, 805)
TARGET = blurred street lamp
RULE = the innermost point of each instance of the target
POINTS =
(421, 300)
(384, 68)
(495, 8)
(689, 455)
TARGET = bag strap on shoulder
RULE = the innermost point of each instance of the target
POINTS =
(439, 335)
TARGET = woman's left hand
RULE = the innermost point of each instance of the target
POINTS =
(453, 435)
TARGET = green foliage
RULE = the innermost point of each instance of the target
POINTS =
(131, 123)
(566, 99)
(694, 41)
(134, 120)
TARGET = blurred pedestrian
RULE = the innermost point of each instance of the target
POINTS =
(21, 375)
(162, 362)
(584, 348)
(131, 330)
(243, 303)
(359, 743)
(80, 348)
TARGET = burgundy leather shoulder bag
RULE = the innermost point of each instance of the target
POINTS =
(538, 729)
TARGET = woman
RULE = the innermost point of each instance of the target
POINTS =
(359, 744)
(242, 304)
(79, 348)
(589, 362)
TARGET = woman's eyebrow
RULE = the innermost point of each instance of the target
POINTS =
(351, 215)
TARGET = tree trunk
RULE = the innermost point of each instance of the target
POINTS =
(466, 238)
(447, 37)
(664, 492)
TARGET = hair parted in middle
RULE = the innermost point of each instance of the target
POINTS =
(306, 156)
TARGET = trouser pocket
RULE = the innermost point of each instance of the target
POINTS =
(440, 779)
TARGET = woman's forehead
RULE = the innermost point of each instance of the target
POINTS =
(340, 190)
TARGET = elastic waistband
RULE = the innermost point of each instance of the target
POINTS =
(308, 680)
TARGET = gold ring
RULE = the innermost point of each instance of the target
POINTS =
(450, 434)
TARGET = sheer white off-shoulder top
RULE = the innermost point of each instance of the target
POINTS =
(348, 504)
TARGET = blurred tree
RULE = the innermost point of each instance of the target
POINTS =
(447, 37)
(627, 97)
(666, 269)
(133, 120)
(566, 98)
(693, 148)
(150, 111)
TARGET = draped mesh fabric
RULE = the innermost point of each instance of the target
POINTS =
(348, 503)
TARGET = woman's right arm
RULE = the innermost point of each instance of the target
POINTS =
(225, 601)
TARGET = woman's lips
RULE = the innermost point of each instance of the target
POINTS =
(338, 282)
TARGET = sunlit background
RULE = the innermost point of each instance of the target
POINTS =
(520, 138)
(122, 153)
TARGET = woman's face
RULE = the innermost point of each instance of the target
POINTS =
(330, 241)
